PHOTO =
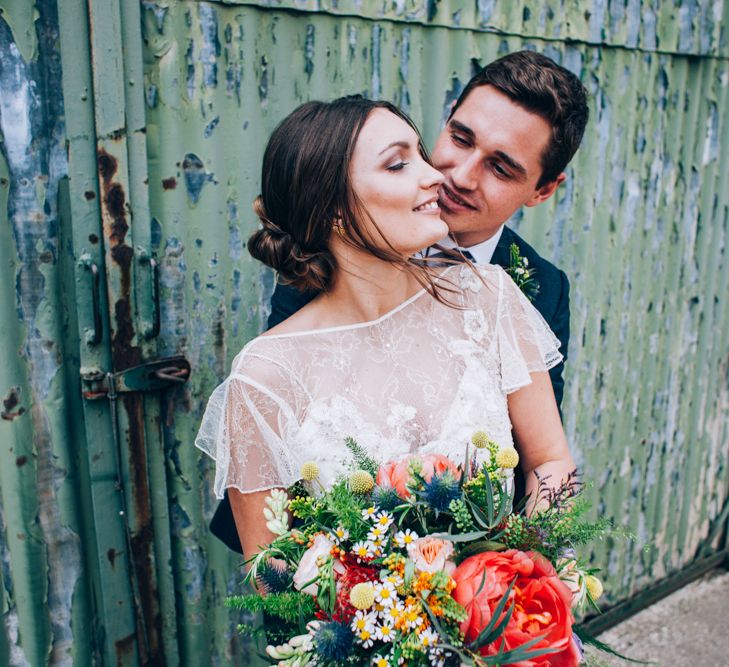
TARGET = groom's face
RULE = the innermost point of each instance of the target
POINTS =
(490, 155)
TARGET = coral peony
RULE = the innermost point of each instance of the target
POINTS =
(396, 474)
(541, 604)
(431, 554)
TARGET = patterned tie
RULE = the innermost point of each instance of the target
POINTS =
(442, 255)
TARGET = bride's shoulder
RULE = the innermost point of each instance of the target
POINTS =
(262, 359)
(482, 279)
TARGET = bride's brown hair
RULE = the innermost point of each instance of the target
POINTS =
(306, 190)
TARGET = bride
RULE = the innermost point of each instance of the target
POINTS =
(402, 356)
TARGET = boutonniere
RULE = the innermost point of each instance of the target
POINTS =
(521, 274)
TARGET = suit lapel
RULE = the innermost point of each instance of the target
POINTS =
(501, 253)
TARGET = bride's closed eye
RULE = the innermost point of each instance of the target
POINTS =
(398, 166)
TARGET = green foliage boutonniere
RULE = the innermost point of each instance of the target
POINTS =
(521, 274)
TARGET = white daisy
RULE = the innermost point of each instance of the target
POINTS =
(376, 533)
(384, 520)
(395, 579)
(394, 611)
(363, 620)
(385, 594)
(369, 513)
(437, 658)
(405, 537)
(362, 549)
(340, 534)
(413, 619)
(365, 637)
(428, 637)
(385, 632)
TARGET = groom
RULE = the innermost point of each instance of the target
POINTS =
(509, 137)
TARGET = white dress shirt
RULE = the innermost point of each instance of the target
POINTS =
(481, 252)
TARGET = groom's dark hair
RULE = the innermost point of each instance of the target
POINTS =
(539, 85)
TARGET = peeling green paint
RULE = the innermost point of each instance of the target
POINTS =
(667, 26)
(20, 16)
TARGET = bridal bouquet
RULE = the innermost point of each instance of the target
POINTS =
(422, 562)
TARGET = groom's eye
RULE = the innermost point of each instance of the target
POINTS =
(500, 170)
(460, 140)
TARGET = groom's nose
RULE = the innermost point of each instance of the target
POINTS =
(465, 175)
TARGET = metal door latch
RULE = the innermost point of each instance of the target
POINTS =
(155, 375)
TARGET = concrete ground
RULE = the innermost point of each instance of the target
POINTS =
(688, 628)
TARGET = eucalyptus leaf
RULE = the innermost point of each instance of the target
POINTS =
(463, 537)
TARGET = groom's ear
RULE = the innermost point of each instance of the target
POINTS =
(546, 191)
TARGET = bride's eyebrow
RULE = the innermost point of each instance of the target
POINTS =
(401, 144)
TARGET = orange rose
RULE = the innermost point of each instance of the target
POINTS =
(396, 474)
(541, 604)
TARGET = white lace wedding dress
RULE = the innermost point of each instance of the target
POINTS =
(421, 378)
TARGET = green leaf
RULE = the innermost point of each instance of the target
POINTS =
(409, 572)
(462, 537)
(466, 467)
(520, 653)
(489, 500)
(587, 638)
(478, 515)
(488, 631)
(480, 547)
(361, 458)
(505, 500)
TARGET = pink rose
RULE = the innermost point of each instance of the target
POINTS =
(309, 568)
(396, 474)
(431, 554)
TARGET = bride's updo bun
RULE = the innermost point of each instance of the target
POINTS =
(279, 249)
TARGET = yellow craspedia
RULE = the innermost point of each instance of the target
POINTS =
(507, 458)
(362, 596)
(360, 481)
(310, 471)
(594, 586)
(480, 439)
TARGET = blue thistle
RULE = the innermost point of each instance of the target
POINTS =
(386, 499)
(274, 577)
(333, 642)
(440, 491)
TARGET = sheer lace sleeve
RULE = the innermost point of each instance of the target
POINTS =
(244, 430)
(526, 343)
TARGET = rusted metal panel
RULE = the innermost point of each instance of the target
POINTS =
(116, 59)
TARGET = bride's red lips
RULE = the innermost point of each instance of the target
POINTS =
(450, 200)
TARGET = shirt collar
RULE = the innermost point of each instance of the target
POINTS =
(481, 252)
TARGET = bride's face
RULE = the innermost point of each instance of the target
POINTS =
(395, 184)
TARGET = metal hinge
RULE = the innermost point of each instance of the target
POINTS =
(153, 375)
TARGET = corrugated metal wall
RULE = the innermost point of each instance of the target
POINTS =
(181, 111)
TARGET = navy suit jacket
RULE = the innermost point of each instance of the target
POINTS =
(552, 301)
